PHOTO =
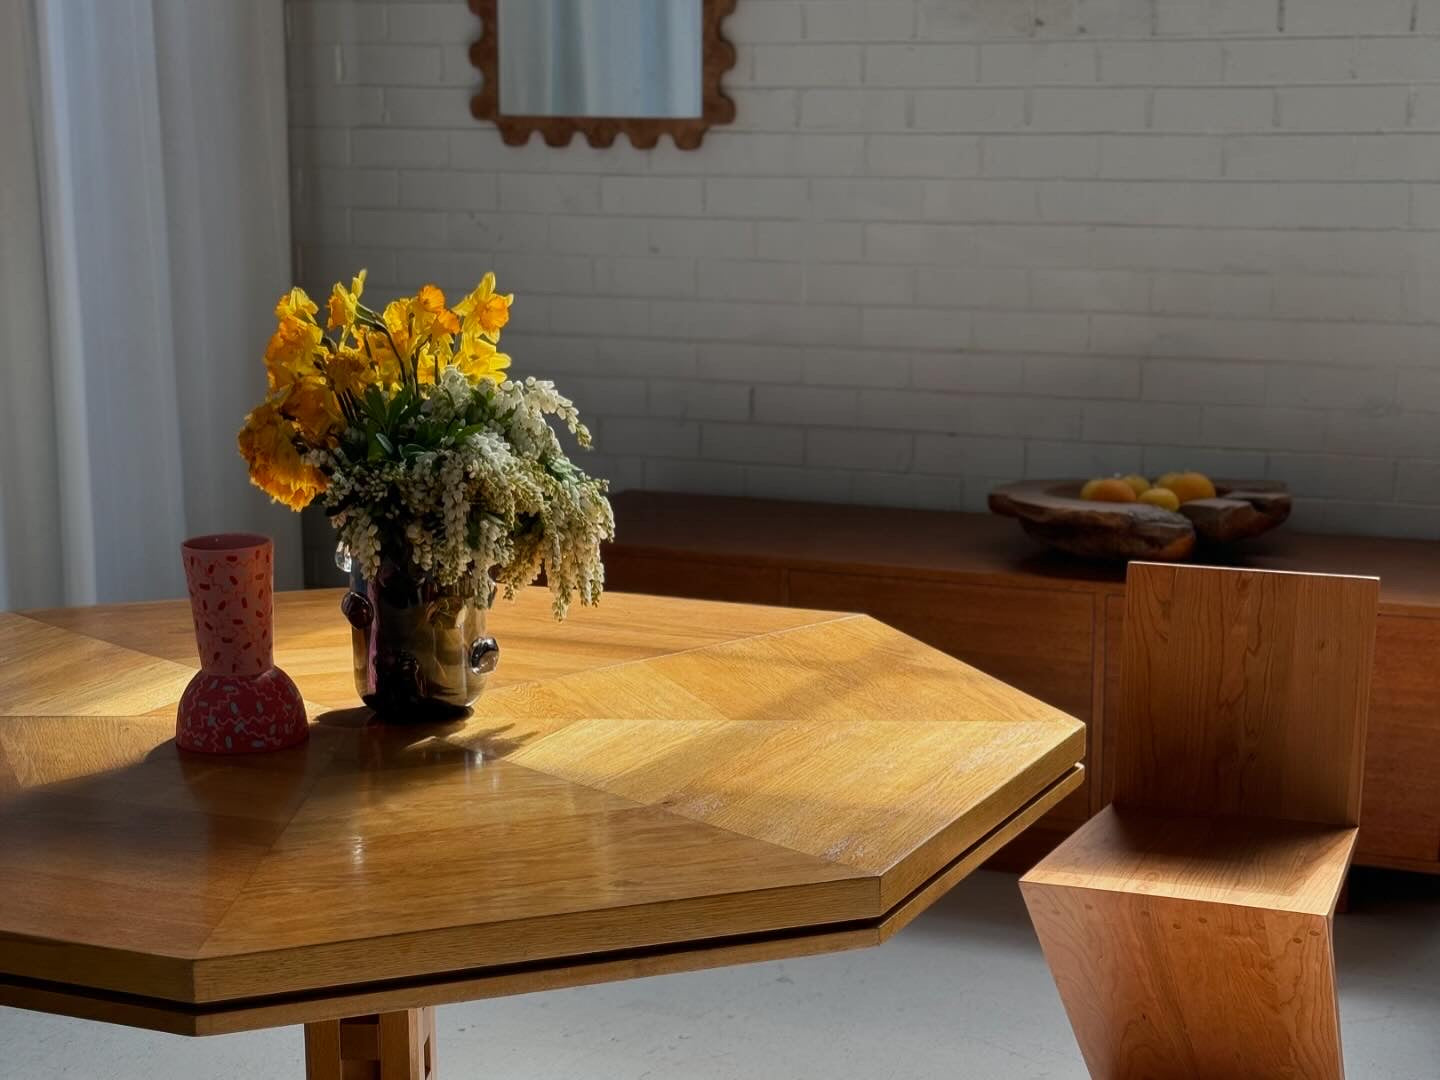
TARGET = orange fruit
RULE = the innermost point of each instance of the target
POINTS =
(1111, 489)
(1088, 491)
(1137, 483)
(1165, 480)
(1192, 485)
(1161, 497)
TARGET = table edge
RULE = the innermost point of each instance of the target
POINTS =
(247, 1014)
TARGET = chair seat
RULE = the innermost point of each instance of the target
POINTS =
(1195, 947)
(1242, 862)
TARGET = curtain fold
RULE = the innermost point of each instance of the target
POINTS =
(141, 258)
(29, 514)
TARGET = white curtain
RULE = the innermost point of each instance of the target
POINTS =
(144, 237)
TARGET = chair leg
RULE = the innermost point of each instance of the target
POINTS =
(384, 1046)
(1185, 990)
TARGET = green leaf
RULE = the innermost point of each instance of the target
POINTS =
(375, 405)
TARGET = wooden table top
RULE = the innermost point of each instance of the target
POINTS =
(654, 785)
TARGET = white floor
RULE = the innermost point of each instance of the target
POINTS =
(963, 993)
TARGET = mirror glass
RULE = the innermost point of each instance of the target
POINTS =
(622, 58)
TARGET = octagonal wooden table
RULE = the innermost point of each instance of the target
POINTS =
(656, 785)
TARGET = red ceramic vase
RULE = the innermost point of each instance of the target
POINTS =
(240, 702)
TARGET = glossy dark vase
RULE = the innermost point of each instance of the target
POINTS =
(420, 654)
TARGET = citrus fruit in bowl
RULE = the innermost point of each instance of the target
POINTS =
(1108, 489)
(1161, 497)
(1131, 517)
(1170, 488)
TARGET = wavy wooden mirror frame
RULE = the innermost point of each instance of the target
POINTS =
(718, 57)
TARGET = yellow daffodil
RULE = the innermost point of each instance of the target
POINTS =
(267, 443)
(313, 406)
(478, 359)
(431, 313)
(486, 308)
(432, 358)
(442, 349)
(397, 321)
(313, 378)
(426, 369)
(343, 303)
(414, 320)
(387, 364)
(292, 350)
(350, 371)
(295, 303)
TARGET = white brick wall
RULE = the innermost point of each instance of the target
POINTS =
(946, 243)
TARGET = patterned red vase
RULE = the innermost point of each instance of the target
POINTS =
(240, 702)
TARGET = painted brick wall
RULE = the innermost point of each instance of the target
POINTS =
(946, 243)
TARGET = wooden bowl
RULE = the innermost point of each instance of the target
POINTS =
(1052, 512)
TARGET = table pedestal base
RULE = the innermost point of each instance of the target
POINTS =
(383, 1046)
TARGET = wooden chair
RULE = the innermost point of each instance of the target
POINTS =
(1188, 925)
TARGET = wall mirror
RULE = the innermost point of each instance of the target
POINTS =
(642, 68)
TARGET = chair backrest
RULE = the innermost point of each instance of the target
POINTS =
(1245, 692)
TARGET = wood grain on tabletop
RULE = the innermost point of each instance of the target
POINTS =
(251, 1015)
(658, 775)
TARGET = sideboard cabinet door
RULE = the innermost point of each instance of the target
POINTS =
(1400, 803)
(694, 579)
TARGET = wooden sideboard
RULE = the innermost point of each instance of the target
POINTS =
(975, 587)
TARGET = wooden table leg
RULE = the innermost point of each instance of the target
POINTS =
(383, 1046)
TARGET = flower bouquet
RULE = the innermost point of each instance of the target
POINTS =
(443, 478)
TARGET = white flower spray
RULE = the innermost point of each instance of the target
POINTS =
(499, 503)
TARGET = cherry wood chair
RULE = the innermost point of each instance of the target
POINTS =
(1188, 925)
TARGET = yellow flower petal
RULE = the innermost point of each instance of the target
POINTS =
(430, 313)
(397, 321)
(344, 302)
(387, 364)
(486, 309)
(494, 314)
(350, 371)
(291, 353)
(430, 299)
(313, 406)
(267, 443)
(295, 303)
(479, 359)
